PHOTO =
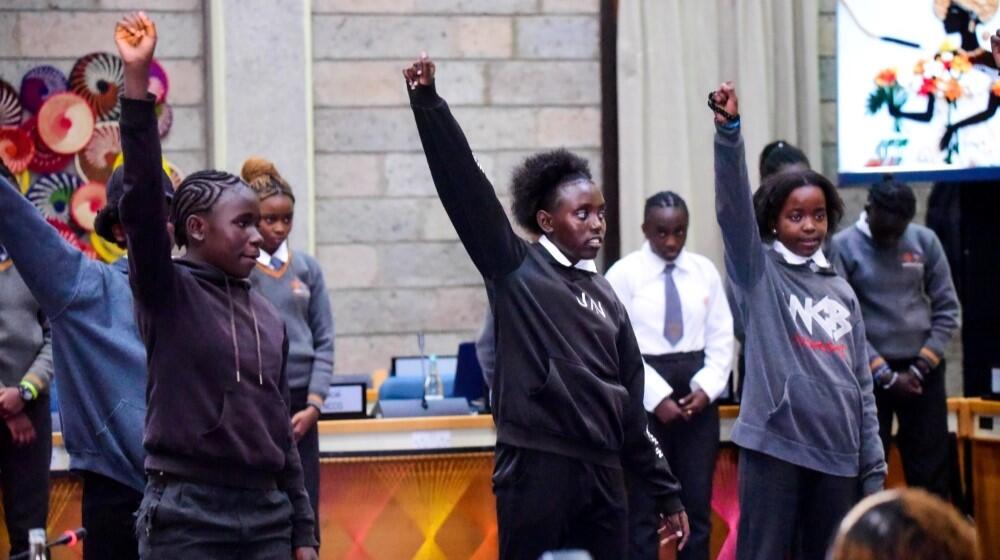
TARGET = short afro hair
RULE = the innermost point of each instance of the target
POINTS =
(536, 183)
(771, 196)
(893, 197)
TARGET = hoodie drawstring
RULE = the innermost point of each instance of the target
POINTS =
(236, 344)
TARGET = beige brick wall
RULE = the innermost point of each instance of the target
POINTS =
(57, 32)
(521, 75)
(854, 198)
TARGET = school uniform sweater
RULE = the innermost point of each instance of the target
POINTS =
(906, 292)
(298, 292)
(217, 394)
(569, 374)
(808, 395)
(25, 339)
(99, 359)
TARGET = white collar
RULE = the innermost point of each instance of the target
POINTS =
(818, 257)
(281, 254)
(560, 258)
(681, 262)
(862, 224)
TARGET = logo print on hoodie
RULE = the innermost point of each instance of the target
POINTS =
(829, 314)
(586, 301)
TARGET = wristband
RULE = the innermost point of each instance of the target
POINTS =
(28, 391)
(882, 373)
(314, 405)
(917, 373)
(895, 377)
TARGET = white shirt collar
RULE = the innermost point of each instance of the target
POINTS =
(560, 258)
(818, 257)
(282, 254)
(862, 224)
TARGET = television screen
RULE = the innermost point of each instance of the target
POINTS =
(917, 90)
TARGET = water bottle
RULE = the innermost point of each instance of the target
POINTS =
(433, 386)
(36, 544)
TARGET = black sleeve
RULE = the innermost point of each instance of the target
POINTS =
(466, 193)
(642, 454)
(143, 207)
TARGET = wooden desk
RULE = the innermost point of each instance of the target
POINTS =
(983, 432)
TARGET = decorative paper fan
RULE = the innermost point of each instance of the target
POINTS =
(98, 78)
(24, 181)
(10, 105)
(164, 118)
(158, 83)
(16, 149)
(64, 230)
(65, 123)
(45, 160)
(84, 246)
(176, 175)
(86, 202)
(40, 83)
(106, 251)
(96, 160)
(52, 194)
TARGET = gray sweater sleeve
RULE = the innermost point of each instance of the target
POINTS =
(943, 299)
(734, 210)
(872, 469)
(321, 324)
(40, 372)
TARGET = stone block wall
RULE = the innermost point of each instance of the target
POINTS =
(57, 32)
(520, 75)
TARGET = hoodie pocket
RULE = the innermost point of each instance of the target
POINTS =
(123, 426)
(576, 404)
(252, 430)
(823, 416)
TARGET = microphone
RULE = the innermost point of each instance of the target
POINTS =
(69, 538)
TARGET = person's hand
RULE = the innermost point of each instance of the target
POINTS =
(10, 402)
(694, 403)
(906, 386)
(420, 73)
(674, 528)
(135, 37)
(725, 97)
(305, 553)
(995, 47)
(22, 431)
(303, 421)
(668, 411)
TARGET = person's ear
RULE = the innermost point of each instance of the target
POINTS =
(544, 219)
(646, 229)
(196, 227)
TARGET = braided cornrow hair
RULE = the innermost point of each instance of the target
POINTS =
(665, 199)
(198, 193)
(264, 179)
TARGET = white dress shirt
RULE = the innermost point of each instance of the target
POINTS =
(281, 253)
(639, 280)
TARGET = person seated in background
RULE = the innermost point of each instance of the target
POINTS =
(907, 524)
(25, 373)
(901, 276)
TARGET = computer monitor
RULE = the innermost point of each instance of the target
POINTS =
(410, 366)
(345, 400)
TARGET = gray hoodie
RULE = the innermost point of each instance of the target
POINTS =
(808, 396)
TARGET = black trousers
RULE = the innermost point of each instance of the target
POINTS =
(551, 502)
(922, 438)
(788, 511)
(108, 514)
(309, 455)
(24, 474)
(691, 448)
(194, 521)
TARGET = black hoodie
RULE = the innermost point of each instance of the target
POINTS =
(569, 375)
(217, 393)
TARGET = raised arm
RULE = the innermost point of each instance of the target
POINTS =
(143, 207)
(733, 201)
(466, 193)
(50, 267)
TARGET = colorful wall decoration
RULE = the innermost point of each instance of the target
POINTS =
(59, 136)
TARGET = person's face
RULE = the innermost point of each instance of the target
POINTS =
(275, 221)
(956, 19)
(886, 227)
(226, 237)
(666, 230)
(576, 225)
(802, 225)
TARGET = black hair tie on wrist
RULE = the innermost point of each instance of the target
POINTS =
(715, 107)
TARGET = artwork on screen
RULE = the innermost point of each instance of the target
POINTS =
(918, 90)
